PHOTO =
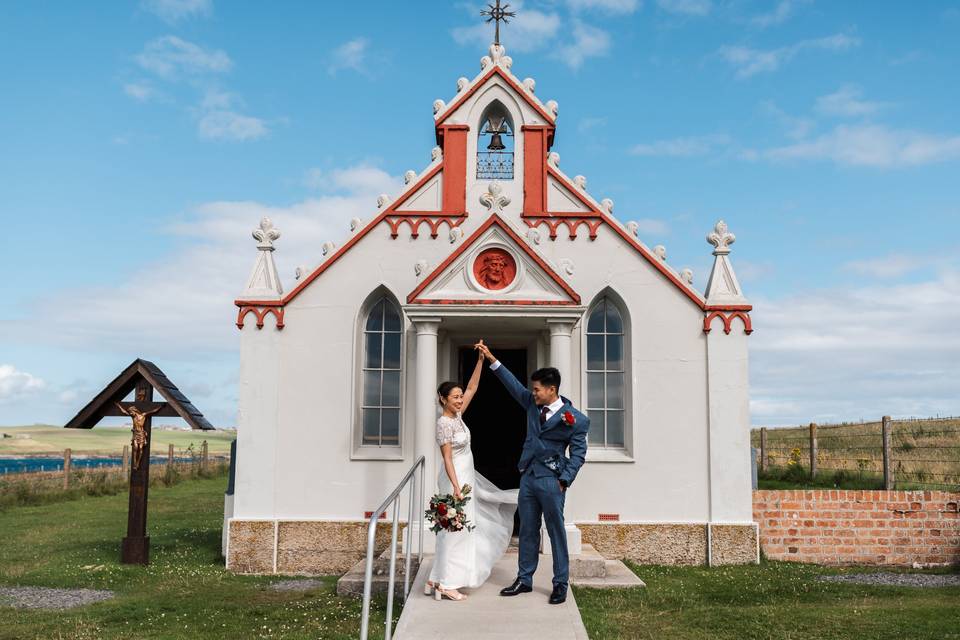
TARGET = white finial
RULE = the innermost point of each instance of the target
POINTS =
(661, 252)
(553, 159)
(455, 234)
(328, 247)
(687, 276)
(355, 224)
(581, 182)
(266, 234)
(553, 108)
(607, 205)
(409, 176)
(436, 153)
(533, 235)
(493, 199)
(419, 267)
(438, 106)
(567, 265)
(721, 239)
(529, 84)
(462, 84)
(633, 227)
(498, 56)
(302, 271)
(382, 200)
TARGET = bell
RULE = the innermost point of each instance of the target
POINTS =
(493, 127)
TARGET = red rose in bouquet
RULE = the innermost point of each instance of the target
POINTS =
(447, 513)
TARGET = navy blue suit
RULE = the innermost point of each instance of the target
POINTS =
(543, 464)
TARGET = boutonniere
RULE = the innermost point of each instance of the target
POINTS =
(569, 418)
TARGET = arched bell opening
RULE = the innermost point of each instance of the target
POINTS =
(495, 143)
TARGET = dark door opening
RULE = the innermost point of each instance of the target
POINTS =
(498, 425)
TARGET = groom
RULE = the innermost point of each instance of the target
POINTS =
(545, 471)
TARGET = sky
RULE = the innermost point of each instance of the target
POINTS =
(142, 141)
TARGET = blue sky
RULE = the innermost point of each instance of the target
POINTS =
(140, 143)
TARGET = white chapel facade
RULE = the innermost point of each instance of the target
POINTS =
(492, 240)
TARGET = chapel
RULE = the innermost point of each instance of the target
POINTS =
(491, 239)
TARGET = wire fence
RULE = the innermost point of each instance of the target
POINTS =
(911, 453)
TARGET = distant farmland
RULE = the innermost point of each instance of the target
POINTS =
(51, 440)
(925, 453)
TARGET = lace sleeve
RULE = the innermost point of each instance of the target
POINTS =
(444, 430)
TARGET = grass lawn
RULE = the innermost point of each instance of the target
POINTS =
(773, 601)
(51, 440)
(184, 593)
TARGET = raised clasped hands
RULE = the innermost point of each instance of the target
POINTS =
(484, 351)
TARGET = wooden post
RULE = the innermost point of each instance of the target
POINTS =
(66, 468)
(136, 546)
(203, 456)
(813, 450)
(125, 460)
(887, 462)
(763, 449)
(170, 459)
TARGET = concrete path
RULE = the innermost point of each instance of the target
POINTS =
(487, 614)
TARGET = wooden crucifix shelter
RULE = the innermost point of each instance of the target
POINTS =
(142, 378)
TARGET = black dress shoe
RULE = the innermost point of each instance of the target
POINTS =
(516, 588)
(558, 596)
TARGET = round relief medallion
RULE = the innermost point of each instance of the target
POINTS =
(494, 269)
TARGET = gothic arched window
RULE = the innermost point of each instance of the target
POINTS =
(382, 366)
(606, 390)
(495, 144)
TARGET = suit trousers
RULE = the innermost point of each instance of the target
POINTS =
(542, 497)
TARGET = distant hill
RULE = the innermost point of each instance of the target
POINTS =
(52, 440)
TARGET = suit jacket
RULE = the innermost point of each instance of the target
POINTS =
(546, 447)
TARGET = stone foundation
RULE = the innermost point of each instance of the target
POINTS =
(674, 544)
(300, 547)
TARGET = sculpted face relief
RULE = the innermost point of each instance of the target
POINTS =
(495, 269)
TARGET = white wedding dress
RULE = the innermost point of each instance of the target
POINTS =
(465, 558)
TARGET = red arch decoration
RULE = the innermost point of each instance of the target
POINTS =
(728, 321)
(260, 313)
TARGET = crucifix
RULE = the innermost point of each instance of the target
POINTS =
(497, 15)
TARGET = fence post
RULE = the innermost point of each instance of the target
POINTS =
(813, 450)
(763, 449)
(887, 462)
(66, 468)
(170, 460)
(125, 461)
(203, 456)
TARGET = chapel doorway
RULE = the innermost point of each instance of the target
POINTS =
(498, 425)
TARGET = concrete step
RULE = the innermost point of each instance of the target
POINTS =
(616, 576)
(588, 564)
(351, 584)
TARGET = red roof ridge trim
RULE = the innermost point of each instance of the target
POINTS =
(453, 106)
(494, 219)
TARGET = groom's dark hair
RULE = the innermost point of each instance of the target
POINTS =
(547, 377)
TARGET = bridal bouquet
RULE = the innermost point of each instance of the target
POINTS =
(448, 514)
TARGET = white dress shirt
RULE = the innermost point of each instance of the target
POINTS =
(552, 408)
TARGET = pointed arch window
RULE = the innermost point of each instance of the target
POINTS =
(495, 144)
(382, 366)
(606, 389)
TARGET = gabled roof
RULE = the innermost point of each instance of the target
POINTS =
(572, 297)
(496, 70)
(103, 403)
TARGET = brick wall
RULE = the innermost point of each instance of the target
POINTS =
(859, 527)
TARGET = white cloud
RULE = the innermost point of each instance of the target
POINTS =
(749, 62)
(181, 305)
(588, 42)
(607, 6)
(170, 56)
(141, 91)
(175, 10)
(797, 127)
(362, 179)
(847, 101)
(686, 7)
(530, 30)
(871, 146)
(589, 124)
(780, 14)
(349, 55)
(219, 120)
(891, 266)
(16, 384)
(681, 147)
(858, 353)
(652, 227)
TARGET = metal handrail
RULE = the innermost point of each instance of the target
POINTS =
(416, 494)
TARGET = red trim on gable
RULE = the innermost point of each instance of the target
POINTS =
(593, 211)
(571, 222)
(494, 219)
(414, 220)
(728, 321)
(543, 303)
(260, 312)
(482, 81)
(392, 207)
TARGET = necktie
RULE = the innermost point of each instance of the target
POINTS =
(543, 414)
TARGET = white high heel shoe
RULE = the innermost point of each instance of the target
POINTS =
(440, 593)
(429, 588)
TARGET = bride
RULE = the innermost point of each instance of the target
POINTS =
(465, 558)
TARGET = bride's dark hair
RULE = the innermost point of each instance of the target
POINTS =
(445, 388)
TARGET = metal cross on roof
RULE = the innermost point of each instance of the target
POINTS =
(497, 15)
